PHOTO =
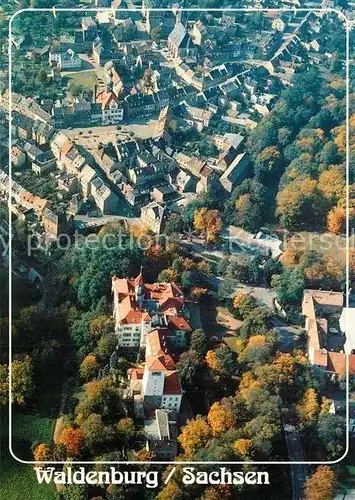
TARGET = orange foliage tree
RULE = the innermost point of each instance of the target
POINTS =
(331, 183)
(244, 304)
(212, 361)
(336, 220)
(170, 492)
(209, 222)
(220, 418)
(73, 440)
(195, 435)
(217, 492)
(322, 484)
(89, 368)
(243, 446)
(42, 453)
(308, 408)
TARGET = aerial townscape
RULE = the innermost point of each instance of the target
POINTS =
(178, 210)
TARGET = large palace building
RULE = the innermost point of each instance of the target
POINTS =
(141, 307)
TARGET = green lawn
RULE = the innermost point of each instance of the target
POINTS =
(18, 481)
(86, 78)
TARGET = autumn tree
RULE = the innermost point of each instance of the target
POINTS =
(42, 453)
(322, 484)
(170, 492)
(126, 429)
(308, 408)
(248, 384)
(331, 183)
(4, 384)
(336, 220)
(268, 160)
(296, 201)
(209, 222)
(220, 418)
(144, 455)
(194, 435)
(198, 293)
(243, 304)
(93, 430)
(243, 447)
(138, 231)
(101, 325)
(167, 276)
(73, 440)
(89, 368)
(257, 351)
(22, 380)
(212, 362)
(217, 492)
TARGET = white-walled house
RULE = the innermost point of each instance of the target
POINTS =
(112, 110)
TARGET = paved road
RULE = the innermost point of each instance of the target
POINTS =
(295, 454)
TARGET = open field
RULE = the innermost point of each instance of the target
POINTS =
(18, 481)
(86, 78)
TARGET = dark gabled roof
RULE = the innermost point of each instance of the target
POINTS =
(137, 100)
(45, 156)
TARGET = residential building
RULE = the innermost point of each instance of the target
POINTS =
(86, 175)
(325, 347)
(56, 223)
(44, 163)
(164, 193)
(153, 215)
(347, 326)
(140, 307)
(161, 385)
(236, 172)
(112, 110)
(65, 60)
(105, 200)
(161, 434)
(18, 157)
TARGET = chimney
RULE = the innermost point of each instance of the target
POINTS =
(95, 93)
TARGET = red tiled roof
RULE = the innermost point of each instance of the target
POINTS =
(172, 383)
(67, 146)
(122, 286)
(15, 151)
(160, 363)
(321, 357)
(105, 98)
(178, 323)
(156, 340)
(336, 362)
